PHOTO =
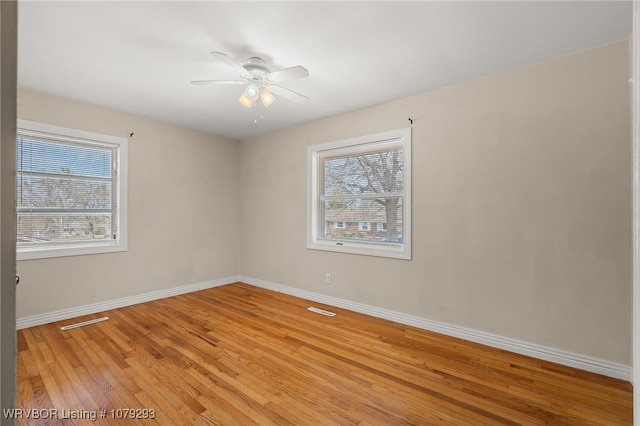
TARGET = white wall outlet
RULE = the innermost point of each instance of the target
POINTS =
(327, 278)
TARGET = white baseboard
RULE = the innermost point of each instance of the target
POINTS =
(93, 308)
(570, 359)
(559, 356)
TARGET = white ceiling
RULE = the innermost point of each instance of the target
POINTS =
(139, 57)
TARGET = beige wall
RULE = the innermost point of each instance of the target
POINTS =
(521, 206)
(182, 214)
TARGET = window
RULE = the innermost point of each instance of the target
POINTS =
(339, 225)
(364, 180)
(71, 192)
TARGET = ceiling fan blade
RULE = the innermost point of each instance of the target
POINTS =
(219, 82)
(287, 94)
(237, 66)
(288, 74)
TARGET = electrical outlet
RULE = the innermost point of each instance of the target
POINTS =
(327, 278)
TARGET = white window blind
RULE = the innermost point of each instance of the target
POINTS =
(68, 192)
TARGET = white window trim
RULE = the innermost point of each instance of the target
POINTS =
(76, 249)
(364, 226)
(314, 154)
(337, 225)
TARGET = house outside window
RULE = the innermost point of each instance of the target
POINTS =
(71, 192)
(365, 183)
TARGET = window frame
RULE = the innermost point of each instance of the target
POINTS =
(354, 146)
(64, 134)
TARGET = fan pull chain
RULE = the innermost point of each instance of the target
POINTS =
(256, 117)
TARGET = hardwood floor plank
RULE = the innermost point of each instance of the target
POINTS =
(238, 354)
(171, 409)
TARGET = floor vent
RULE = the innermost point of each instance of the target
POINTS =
(321, 311)
(81, 324)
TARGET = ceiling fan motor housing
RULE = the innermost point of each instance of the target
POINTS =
(256, 67)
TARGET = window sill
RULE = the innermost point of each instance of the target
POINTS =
(393, 251)
(33, 253)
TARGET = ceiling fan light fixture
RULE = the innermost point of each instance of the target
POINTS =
(250, 95)
(244, 100)
(252, 91)
(267, 98)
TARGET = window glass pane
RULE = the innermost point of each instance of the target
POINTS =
(47, 156)
(369, 173)
(65, 191)
(362, 217)
(37, 191)
(51, 228)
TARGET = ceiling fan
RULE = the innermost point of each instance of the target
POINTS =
(260, 81)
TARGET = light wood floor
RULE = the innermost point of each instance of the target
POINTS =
(238, 354)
